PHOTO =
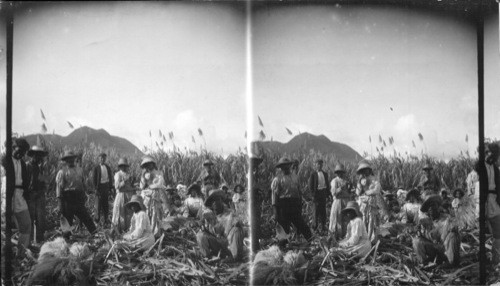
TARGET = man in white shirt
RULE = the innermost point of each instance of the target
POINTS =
(103, 185)
(18, 184)
(319, 186)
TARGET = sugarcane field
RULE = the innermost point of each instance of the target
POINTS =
(68, 254)
(310, 142)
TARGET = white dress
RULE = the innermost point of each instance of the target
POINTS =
(140, 234)
(356, 242)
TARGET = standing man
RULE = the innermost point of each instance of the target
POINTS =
(71, 194)
(429, 182)
(209, 178)
(319, 186)
(38, 181)
(286, 200)
(103, 185)
(18, 184)
(492, 203)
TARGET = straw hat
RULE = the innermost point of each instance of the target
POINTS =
(146, 160)
(35, 149)
(434, 199)
(123, 162)
(67, 155)
(283, 162)
(339, 168)
(207, 162)
(363, 165)
(135, 200)
(352, 205)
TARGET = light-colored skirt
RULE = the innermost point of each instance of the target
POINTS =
(335, 215)
(359, 250)
(121, 216)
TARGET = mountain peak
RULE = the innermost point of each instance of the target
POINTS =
(305, 142)
(84, 136)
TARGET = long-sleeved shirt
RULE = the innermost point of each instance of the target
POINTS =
(410, 212)
(356, 233)
(139, 226)
(284, 186)
(123, 182)
(68, 179)
(339, 188)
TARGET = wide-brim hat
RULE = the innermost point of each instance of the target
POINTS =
(67, 155)
(351, 205)
(427, 166)
(339, 168)
(283, 162)
(414, 192)
(430, 201)
(194, 187)
(123, 162)
(256, 160)
(35, 149)
(215, 196)
(207, 162)
(135, 200)
(363, 165)
(240, 186)
(146, 160)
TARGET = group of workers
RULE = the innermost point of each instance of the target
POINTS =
(139, 209)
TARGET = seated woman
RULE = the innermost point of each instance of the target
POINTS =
(356, 242)
(140, 234)
(411, 209)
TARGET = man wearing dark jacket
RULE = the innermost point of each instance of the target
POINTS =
(38, 181)
(102, 184)
(319, 186)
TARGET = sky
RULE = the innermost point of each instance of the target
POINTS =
(355, 73)
(134, 67)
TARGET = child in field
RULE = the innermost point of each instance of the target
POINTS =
(411, 209)
(140, 234)
(463, 209)
(238, 198)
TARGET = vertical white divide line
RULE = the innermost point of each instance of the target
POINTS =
(249, 118)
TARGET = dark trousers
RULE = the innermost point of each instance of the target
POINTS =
(73, 203)
(38, 215)
(102, 202)
(290, 211)
(320, 209)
